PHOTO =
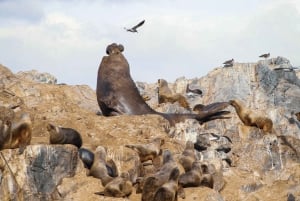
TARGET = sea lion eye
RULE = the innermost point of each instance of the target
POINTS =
(121, 47)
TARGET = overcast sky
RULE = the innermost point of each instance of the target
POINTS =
(68, 38)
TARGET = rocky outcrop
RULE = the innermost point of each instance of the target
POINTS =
(36, 76)
(250, 164)
(35, 174)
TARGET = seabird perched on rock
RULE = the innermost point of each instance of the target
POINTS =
(134, 29)
(228, 63)
(265, 55)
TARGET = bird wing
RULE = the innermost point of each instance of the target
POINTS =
(139, 24)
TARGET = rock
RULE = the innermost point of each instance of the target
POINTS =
(36, 76)
(262, 167)
(37, 172)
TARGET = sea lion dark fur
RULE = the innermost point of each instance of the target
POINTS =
(87, 157)
(251, 118)
(165, 95)
(168, 191)
(16, 133)
(298, 116)
(117, 93)
(148, 151)
(60, 135)
(101, 168)
(195, 91)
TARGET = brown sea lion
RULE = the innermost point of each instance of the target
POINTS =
(188, 156)
(168, 191)
(117, 94)
(251, 118)
(165, 95)
(60, 135)
(118, 187)
(153, 182)
(148, 151)
(16, 133)
(298, 116)
(101, 168)
(193, 177)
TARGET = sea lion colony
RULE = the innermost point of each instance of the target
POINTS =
(117, 95)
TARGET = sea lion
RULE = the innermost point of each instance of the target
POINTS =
(16, 133)
(60, 135)
(87, 157)
(251, 118)
(188, 156)
(298, 116)
(165, 95)
(101, 169)
(195, 91)
(200, 109)
(117, 94)
(193, 177)
(168, 191)
(153, 182)
(148, 151)
(118, 187)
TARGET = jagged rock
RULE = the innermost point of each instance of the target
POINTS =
(35, 174)
(36, 76)
(262, 168)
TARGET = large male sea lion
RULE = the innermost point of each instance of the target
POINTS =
(117, 93)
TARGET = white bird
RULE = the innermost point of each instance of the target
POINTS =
(134, 29)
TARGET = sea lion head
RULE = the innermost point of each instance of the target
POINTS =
(114, 49)
(53, 128)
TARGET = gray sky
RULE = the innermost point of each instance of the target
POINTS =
(68, 38)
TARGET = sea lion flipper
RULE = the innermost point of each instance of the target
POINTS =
(112, 168)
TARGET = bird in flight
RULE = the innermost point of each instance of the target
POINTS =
(134, 29)
(265, 55)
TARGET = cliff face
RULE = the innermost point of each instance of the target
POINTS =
(260, 164)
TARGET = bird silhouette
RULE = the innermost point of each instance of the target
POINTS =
(265, 55)
(134, 29)
(228, 63)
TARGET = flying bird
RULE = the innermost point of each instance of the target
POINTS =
(134, 29)
(265, 55)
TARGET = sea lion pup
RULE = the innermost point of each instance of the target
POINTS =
(251, 118)
(195, 91)
(87, 157)
(102, 169)
(148, 151)
(153, 182)
(168, 191)
(193, 177)
(60, 135)
(117, 93)
(165, 95)
(16, 134)
(188, 156)
(118, 187)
